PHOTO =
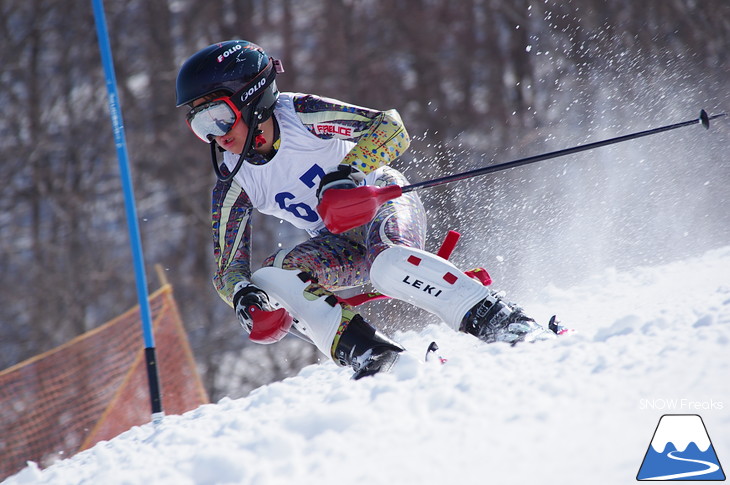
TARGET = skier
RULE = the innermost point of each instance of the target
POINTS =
(288, 155)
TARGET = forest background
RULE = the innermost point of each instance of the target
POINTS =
(476, 82)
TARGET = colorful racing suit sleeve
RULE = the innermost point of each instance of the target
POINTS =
(231, 237)
(379, 136)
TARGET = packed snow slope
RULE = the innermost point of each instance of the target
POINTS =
(576, 410)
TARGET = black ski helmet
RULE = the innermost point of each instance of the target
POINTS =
(242, 70)
(229, 67)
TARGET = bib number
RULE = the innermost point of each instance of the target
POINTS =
(301, 210)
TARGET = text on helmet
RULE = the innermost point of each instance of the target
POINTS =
(252, 90)
(230, 51)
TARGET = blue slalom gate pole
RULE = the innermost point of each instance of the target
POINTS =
(131, 210)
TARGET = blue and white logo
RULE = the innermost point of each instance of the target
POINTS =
(680, 450)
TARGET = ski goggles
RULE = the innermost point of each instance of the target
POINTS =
(218, 116)
(214, 118)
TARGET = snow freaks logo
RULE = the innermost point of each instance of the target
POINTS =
(680, 450)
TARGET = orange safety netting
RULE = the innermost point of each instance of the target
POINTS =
(94, 387)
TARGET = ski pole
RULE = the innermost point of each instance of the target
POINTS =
(131, 211)
(344, 209)
(703, 119)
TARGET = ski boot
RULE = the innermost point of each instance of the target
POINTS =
(494, 320)
(362, 347)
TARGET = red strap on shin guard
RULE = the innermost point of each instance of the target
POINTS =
(480, 274)
(447, 247)
(362, 298)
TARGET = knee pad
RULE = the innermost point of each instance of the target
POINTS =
(316, 317)
(426, 281)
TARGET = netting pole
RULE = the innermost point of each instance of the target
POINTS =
(132, 223)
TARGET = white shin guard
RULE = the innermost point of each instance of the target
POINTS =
(315, 318)
(426, 281)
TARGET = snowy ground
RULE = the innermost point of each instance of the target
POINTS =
(576, 410)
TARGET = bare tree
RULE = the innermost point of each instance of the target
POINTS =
(475, 81)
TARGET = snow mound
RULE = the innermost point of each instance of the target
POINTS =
(577, 409)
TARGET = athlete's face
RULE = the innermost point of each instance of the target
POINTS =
(233, 140)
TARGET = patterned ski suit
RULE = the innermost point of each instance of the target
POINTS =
(315, 135)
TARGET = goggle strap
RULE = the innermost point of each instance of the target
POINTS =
(268, 73)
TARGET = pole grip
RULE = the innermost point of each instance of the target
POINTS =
(150, 357)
